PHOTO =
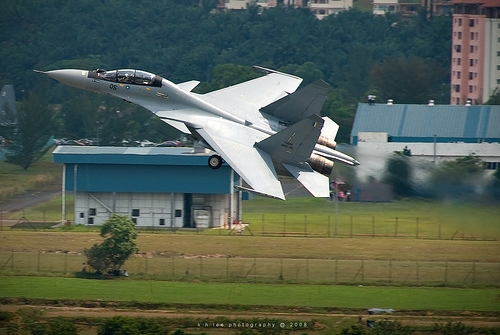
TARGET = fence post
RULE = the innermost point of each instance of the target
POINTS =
(390, 271)
(418, 275)
(336, 270)
(281, 269)
(305, 225)
(284, 225)
(307, 270)
(416, 229)
(373, 226)
(446, 272)
(363, 271)
(328, 233)
(473, 272)
(396, 228)
(263, 230)
(351, 226)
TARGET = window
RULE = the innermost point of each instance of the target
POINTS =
(471, 76)
(127, 76)
(134, 220)
(471, 36)
(458, 48)
(471, 62)
(459, 74)
(459, 61)
(471, 23)
(459, 22)
(471, 49)
(459, 35)
(90, 221)
(178, 213)
(92, 212)
(470, 89)
(136, 212)
(492, 165)
(457, 88)
(498, 67)
(162, 222)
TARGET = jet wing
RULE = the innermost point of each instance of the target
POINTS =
(235, 144)
(256, 93)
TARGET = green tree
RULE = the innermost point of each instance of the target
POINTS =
(120, 243)
(493, 187)
(495, 98)
(398, 173)
(406, 81)
(457, 178)
(34, 129)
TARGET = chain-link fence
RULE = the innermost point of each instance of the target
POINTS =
(266, 270)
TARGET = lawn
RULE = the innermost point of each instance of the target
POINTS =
(399, 298)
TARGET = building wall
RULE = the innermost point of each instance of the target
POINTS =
(154, 210)
(491, 80)
(467, 67)
(373, 156)
(475, 66)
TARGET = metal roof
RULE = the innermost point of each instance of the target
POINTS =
(420, 123)
(143, 170)
(129, 155)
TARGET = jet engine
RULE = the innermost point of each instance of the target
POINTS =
(320, 164)
(327, 142)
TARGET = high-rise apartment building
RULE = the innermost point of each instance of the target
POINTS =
(475, 63)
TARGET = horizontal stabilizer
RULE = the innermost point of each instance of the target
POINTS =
(301, 104)
(314, 182)
(293, 145)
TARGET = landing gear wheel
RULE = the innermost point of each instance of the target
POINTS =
(215, 161)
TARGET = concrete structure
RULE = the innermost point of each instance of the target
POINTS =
(432, 133)
(156, 187)
(475, 66)
(320, 8)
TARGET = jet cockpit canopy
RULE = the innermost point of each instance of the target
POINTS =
(127, 76)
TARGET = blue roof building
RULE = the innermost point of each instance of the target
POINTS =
(429, 123)
(432, 133)
(156, 187)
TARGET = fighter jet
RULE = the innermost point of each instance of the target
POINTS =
(262, 128)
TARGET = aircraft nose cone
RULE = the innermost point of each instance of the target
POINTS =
(76, 78)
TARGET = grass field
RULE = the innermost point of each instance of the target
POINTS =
(252, 294)
(41, 175)
(444, 243)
